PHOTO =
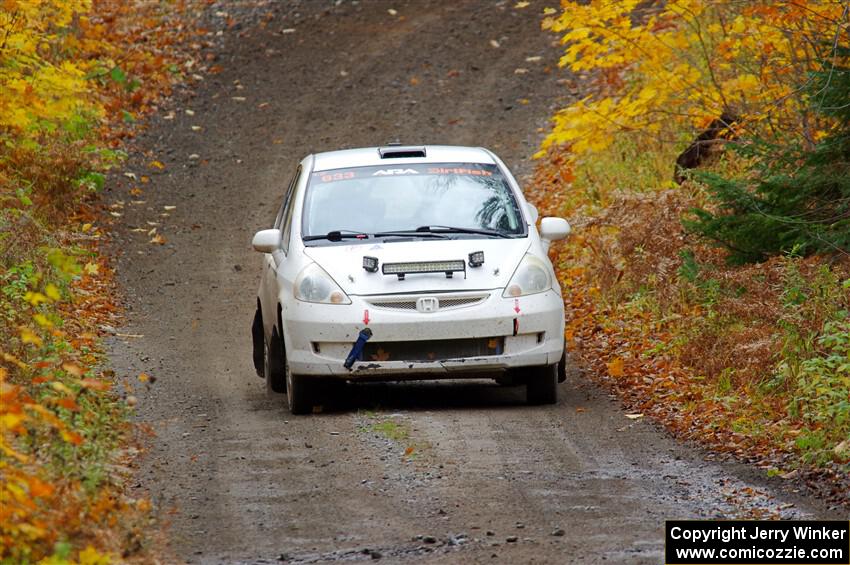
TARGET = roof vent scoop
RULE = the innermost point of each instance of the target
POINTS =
(399, 152)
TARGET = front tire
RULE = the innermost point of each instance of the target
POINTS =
(273, 364)
(299, 392)
(542, 385)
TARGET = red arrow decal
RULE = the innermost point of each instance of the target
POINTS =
(516, 305)
(366, 317)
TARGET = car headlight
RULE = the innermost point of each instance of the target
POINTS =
(531, 276)
(313, 284)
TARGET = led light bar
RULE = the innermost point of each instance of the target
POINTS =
(401, 269)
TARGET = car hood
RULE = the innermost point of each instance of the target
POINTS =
(345, 264)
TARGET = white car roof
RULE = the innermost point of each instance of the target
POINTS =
(371, 156)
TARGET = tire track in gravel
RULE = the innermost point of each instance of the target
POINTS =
(232, 474)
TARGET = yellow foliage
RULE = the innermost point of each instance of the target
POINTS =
(691, 61)
(36, 83)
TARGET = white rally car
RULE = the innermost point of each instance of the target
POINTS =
(395, 263)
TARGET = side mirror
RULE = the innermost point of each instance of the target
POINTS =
(532, 211)
(553, 229)
(266, 241)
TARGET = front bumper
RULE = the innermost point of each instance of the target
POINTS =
(529, 332)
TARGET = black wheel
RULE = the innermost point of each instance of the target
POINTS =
(273, 364)
(299, 392)
(258, 342)
(542, 385)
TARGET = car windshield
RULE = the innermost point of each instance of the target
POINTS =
(461, 199)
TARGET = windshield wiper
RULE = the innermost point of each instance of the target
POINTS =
(337, 235)
(409, 233)
(453, 229)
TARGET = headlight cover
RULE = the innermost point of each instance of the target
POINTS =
(531, 277)
(313, 284)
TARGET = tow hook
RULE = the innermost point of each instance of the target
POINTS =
(357, 348)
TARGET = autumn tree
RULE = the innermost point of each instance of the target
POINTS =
(736, 71)
(797, 199)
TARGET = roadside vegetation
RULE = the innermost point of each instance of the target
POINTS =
(75, 75)
(706, 172)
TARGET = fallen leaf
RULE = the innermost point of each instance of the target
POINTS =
(68, 404)
(95, 384)
(28, 336)
(380, 355)
(520, 5)
(72, 369)
(157, 165)
(158, 239)
(52, 291)
(634, 416)
(615, 367)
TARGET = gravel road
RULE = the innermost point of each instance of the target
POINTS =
(433, 472)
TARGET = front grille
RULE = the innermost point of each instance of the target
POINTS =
(396, 304)
(432, 350)
(458, 302)
(446, 303)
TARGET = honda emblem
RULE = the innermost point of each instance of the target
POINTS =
(427, 304)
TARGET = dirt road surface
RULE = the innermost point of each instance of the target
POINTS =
(485, 478)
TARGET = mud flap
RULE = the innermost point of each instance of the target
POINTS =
(562, 367)
(257, 339)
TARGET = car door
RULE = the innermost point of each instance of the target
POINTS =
(271, 283)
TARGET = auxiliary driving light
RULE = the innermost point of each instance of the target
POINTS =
(476, 258)
(370, 264)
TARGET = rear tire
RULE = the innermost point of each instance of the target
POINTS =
(299, 392)
(273, 364)
(542, 385)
